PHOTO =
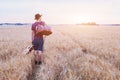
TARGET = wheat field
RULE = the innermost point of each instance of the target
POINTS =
(72, 52)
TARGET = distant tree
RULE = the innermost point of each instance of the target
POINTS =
(89, 23)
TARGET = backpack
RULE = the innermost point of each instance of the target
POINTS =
(43, 30)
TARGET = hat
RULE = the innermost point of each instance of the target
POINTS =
(37, 16)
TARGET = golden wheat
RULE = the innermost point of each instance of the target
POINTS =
(71, 53)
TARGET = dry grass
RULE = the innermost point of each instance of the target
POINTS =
(14, 65)
(71, 53)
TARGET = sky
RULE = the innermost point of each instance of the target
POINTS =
(61, 11)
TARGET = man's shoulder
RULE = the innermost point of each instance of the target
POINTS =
(38, 23)
(33, 24)
(42, 23)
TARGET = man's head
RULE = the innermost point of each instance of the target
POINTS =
(37, 16)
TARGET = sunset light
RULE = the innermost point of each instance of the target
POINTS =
(61, 11)
(60, 40)
(82, 19)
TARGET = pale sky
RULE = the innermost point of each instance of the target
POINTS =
(61, 11)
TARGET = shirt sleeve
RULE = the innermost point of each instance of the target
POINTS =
(33, 27)
(43, 23)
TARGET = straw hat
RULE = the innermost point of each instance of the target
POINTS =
(37, 16)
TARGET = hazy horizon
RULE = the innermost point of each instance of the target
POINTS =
(61, 12)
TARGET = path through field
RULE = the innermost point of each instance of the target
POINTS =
(35, 71)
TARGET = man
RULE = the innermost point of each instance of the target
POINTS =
(37, 40)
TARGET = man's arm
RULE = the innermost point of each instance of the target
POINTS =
(33, 35)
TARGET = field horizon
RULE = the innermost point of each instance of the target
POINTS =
(83, 24)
